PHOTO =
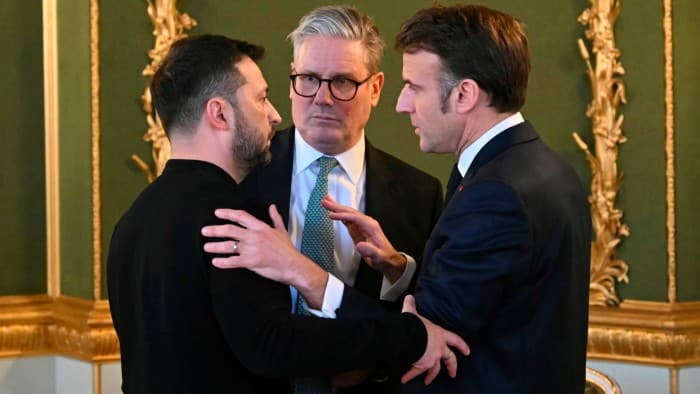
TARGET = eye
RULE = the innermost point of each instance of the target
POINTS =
(341, 81)
(308, 78)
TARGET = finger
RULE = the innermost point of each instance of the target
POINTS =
(432, 373)
(224, 231)
(331, 205)
(451, 364)
(227, 262)
(223, 247)
(350, 217)
(241, 217)
(367, 250)
(412, 373)
(455, 341)
(409, 304)
(277, 221)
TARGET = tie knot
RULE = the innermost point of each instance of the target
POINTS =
(326, 164)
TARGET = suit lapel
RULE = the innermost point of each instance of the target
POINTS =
(515, 135)
(518, 134)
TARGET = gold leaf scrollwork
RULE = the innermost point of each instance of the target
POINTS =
(169, 25)
(608, 93)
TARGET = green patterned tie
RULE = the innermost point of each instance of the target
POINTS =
(317, 244)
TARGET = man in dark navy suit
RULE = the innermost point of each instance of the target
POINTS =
(507, 265)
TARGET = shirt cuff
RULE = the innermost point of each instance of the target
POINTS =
(392, 292)
(332, 298)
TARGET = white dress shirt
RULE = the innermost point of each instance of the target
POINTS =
(469, 153)
(346, 185)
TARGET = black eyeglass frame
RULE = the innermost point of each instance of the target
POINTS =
(293, 78)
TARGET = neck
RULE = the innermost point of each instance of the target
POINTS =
(220, 157)
(479, 126)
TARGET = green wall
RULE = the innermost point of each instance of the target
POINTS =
(75, 148)
(686, 53)
(22, 202)
(557, 99)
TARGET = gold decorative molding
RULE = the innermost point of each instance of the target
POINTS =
(646, 332)
(51, 166)
(670, 152)
(608, 93)
(169, 25)
(64, 325)
(23, 323)
(95, 141)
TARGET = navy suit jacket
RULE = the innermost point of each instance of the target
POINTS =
(507, 268)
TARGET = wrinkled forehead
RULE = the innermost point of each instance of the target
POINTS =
(331, 55)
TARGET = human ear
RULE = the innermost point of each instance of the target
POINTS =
(218, 113)
(467, 95)
(376, 84)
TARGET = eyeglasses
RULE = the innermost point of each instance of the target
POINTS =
(342, 88)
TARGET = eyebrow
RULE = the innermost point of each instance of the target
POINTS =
(409, 82)
(332, 76)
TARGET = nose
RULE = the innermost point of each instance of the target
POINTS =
(403, 103)
(323, 95)
(273, 115)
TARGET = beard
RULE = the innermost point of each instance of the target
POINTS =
(250, 147)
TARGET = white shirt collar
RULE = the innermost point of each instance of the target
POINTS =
(469, 154)
(352, 161)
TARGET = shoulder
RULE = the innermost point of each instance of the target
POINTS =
(393, 167)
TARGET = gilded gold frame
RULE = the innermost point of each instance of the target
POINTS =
(670, 151)
(53, 219)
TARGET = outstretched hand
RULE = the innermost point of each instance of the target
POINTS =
(437, 350)
(370, 241)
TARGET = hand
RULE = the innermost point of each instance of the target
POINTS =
(437, 349)
(265, 250)
(370, 241)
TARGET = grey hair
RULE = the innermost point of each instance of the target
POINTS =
(448, 80)
(341, 21)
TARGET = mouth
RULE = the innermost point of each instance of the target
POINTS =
(324, 117)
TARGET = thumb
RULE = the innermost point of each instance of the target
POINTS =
(277, 221)
(409, 305)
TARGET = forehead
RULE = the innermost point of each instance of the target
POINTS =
(329, 56)
(421, 64)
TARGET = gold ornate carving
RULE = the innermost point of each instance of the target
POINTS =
(608, 92)
(646, 332)
(53, 234)
(600, 383)
(169, 25)
(95, 142)
(670, 152)
(23, 325)
(64, 325)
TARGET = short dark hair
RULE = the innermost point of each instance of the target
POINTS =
(196, 69)
(473, 42)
